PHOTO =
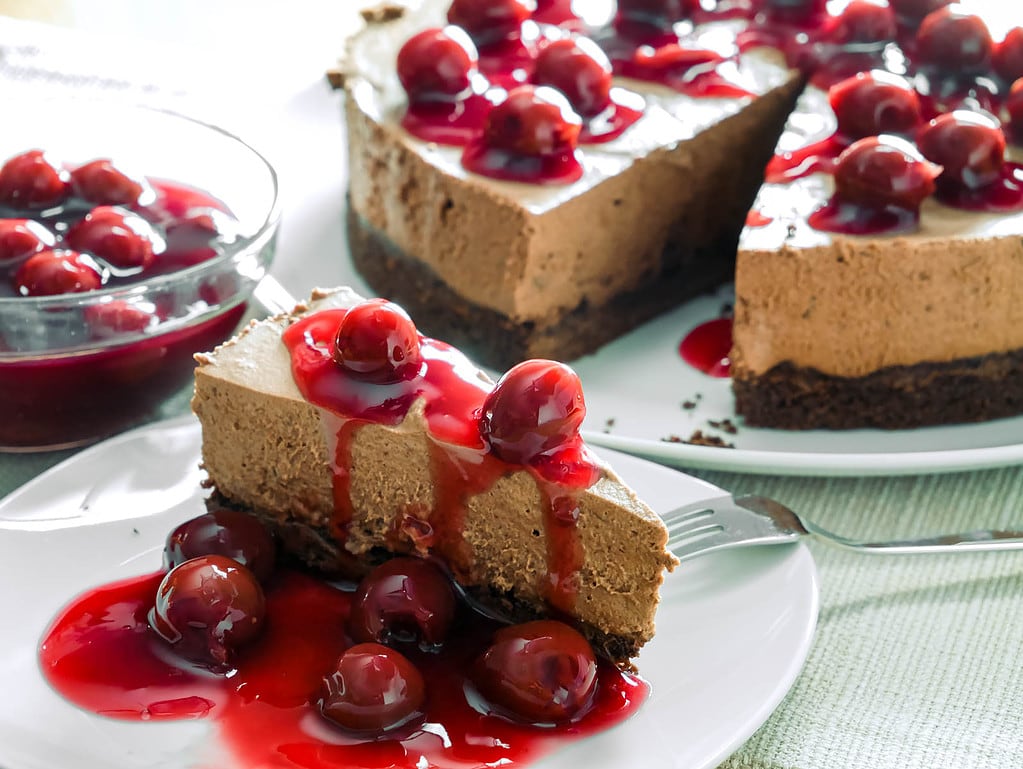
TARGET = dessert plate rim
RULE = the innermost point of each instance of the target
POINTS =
(734, 629)
(652, 416)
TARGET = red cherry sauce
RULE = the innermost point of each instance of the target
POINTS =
(845, 218)
(757, 219)
(101, 655)
(708, 346)
(452, 123)
(510, 62)
(623, 112)
(1002, 196)
(818, 157)
(461, 465)
(497, 163)
(644, 52)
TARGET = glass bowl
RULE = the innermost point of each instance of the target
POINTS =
(78, 367)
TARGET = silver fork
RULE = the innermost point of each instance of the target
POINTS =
(727, 521)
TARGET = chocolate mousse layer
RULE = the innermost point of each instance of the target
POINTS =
(966, 390)
(479, 269)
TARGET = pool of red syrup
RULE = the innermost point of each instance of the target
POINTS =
(708, 346)
(101, 655)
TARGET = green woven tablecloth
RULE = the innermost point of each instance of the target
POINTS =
(918, 660)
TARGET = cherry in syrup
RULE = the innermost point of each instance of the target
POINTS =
(529, 137)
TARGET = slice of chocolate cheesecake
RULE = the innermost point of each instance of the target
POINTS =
(350, 461)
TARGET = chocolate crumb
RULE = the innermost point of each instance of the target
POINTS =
(727, 310)
(699, 438)
(689, 405)
(383, 13)
(336, 78)
(609, 424)
(724, 425)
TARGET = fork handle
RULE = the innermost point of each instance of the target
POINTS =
(969, 541)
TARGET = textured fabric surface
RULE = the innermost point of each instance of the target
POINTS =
(916, 662)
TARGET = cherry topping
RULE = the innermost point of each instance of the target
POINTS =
(29, 180)
(801, 12)
(100, 182)
(57, 271)
(1008, 57)
(378, 342)
(207, 608)
(661, 13)
(1014, 111)
(118, 317)
(20, 238)
(437, 64)
(408, 600)
(533, 121)
(969, 146)
(580, 70)
(864, 21)
(490, 21)
(542, 671)
(223, 531)
(534, 408)
(122, 238)
(876, 102)
(916, 9)
(883, 170)
(374, 689)
(952, 40)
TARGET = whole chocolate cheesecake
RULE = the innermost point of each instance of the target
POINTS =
(352, 455)
(501, 188)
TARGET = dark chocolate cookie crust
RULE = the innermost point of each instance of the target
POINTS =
(976, 389)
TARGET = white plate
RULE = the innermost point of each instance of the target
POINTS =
(733, 630)
(635, 388)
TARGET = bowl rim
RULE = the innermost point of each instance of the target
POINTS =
(237, 247)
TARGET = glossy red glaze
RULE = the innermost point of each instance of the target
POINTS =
(864, 21)
(952, 40)
(437, 64)
(880, 171)
(207, 608)
(531, 136)
(492, 21)
(57, 271)
(1008, 56)
(1014, 113)
(403, 600)
(708, 347)
(969, 147)
(538, 672)
(580, 70)
(100, 182)
(757, 219)
(536, 407)
(226, 532)
(267, 710)
(872, 103)
(31, 181)
(692, 71)
(374, 690)
(118, 237)
(845, 218)
(20, 238)
(377, 342)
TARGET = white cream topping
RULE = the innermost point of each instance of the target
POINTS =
(670, 117)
